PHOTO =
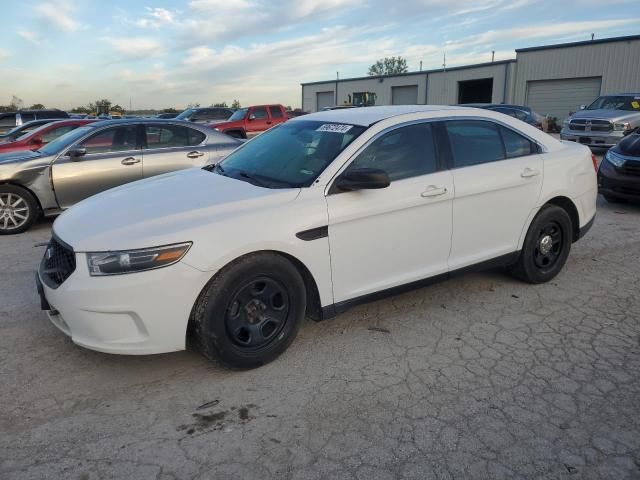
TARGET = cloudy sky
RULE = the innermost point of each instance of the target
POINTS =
(162, 53)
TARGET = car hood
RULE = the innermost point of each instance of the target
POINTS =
(618, 115)
(170, 208)
(21, 156)
(629, 146)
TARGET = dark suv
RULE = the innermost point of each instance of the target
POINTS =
(205, 115)
(619, 172)
(11, 120)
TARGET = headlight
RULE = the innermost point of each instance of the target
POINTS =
(621, 127)
(129, 261)
(614, 159)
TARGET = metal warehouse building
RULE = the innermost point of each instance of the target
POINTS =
(553, 80)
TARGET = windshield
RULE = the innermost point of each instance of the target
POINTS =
(186, 114)
(292, 154)
(238, 115)
(616, 102)
(63, 141)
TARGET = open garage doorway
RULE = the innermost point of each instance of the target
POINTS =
(475, 91)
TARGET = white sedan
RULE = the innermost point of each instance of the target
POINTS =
(316, 215)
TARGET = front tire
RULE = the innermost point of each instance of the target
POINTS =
(251, 311)
(546, 246)
(18, 210)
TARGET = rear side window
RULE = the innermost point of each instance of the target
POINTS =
(474, 142)
(8, 120)
(403, 153)
(166, 136)
(28, 117)
(50, 114)
(515, 144)
(220, 114)
(275, 112)
(196, 137)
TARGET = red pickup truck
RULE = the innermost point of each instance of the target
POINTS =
(250, 121)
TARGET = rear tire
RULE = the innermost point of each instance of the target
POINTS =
(250, 312)
(18, 209)
(546, 246)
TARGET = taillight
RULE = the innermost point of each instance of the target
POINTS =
(595, 162)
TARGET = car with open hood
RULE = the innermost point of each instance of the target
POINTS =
(313, 216)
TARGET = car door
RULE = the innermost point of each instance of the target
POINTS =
(113, 157)
(399, 234)
(258, 121)
(172, 147)
(497, 173)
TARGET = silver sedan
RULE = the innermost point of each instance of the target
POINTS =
(96, 157)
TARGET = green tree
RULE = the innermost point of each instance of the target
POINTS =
(170, 110)
(389, 66)
(193, 105)
(223, 104)
(102, 106)
(37, 106)
(235, 103)
(81, 110)
(117, 108)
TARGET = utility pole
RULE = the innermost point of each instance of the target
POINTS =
(420, 65)
(493, 55)
(337, 80)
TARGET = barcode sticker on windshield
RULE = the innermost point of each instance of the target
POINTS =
(334, 128)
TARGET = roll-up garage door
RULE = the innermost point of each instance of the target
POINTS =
(560, 97)
(324, 99)
(406, 95)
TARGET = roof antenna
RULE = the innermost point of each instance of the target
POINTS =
(444, 61)
(593, 36)
(493, 55)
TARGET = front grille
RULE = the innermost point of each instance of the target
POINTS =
(586, 125)
(58, 264)
(630, 167)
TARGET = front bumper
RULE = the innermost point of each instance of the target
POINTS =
(615, 184)
(135, 314)
(592, 139)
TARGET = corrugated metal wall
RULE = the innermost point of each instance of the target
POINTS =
(618, 63)
(443, 86)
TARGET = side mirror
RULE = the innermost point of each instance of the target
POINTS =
(252, 117)
(76, 153)
(582, 107)
(36, 141)
(362, 179)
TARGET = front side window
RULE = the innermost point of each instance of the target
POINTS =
(292, 154)
(166, 136)
(220, 114)
(260, 113)
(474, 142)
(402, 153)
(115, 139)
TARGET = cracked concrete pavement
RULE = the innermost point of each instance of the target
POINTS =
(479, 377)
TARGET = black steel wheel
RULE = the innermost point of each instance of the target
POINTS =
(250, 312)
(546, 246)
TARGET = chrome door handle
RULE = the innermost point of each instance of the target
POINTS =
(434, 191)
(529, 172)
(130, 161)
(195, 154)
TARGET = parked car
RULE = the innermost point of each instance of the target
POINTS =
(39, 137)
(167, 115)
(605, 121)
(521, 112)
(96, 157)
(619, 172)
(250, 121)
(318, 214)
(11, 135)
(206, 115)
(10, 120)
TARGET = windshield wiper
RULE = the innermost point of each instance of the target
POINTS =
(253, 179)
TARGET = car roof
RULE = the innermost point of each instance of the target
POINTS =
(366, 116)
(130, 121)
